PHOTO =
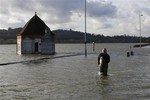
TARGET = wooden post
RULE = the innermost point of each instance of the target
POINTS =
(93, 46)
(128, 54)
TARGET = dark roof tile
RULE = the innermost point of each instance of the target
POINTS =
(35, 26)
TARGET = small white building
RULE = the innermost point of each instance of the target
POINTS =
(35, 37)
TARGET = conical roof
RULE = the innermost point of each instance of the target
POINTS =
(35, 27)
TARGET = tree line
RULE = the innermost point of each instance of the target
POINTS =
(70, 36)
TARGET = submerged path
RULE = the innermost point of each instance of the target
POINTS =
(40, 59)
(142, 45)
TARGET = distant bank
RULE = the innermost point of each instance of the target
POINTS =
(71, 36)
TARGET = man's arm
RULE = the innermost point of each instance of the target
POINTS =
(108, 59)
(98, 59)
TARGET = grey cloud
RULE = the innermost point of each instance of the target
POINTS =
(61, 8)
(107, 25)
(64, 8)
(24, 5)
(63, 5)
(98, 9)
(56, 11)
(146, 11)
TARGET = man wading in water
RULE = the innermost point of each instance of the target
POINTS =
(103, 60)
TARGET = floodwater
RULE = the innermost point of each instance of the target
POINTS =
(75, 77)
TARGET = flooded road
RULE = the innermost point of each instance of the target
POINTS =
(75, 77)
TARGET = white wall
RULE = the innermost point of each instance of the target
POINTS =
(27, 45)
(47, 48)
(18, 46)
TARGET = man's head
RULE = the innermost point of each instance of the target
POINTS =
(104, 50)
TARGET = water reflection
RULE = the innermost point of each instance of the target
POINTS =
(102, 80)
(104, 83)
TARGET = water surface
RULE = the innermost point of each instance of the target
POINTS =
(75, 77)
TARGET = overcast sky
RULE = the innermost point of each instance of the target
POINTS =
(107, 17)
